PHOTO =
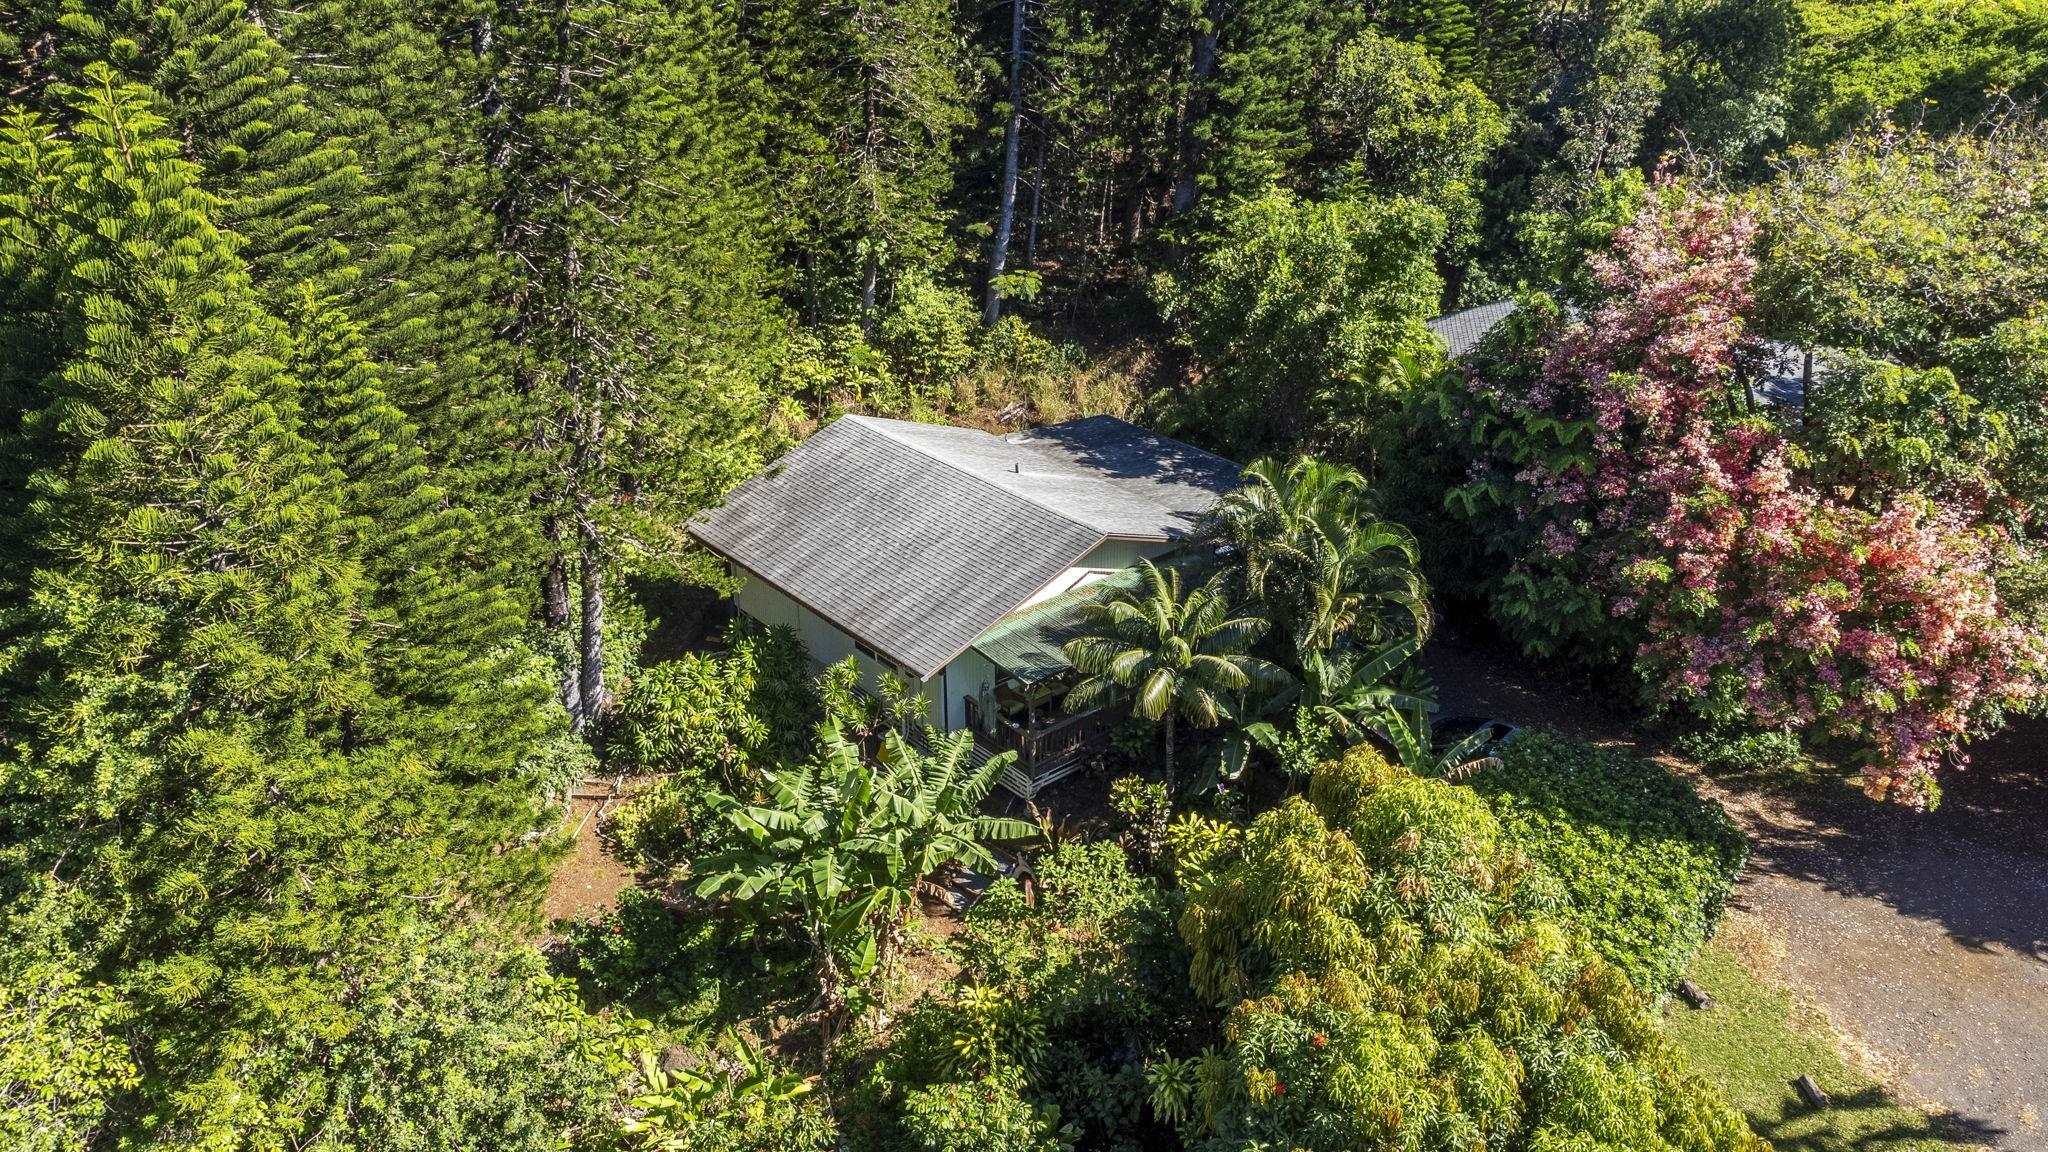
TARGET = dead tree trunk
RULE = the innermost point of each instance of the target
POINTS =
(1006, 218)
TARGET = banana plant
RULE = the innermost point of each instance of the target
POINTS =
(1346, 693)
(1415, 747)
(839, 844)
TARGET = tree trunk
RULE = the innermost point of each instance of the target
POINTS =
(1037, 195)
(554, 615)
(831, 996)
(1201, 74)
(554, 582)
(1172, 785)
(1006, 218)
(870, 276)
(590, 648)
(871, 268)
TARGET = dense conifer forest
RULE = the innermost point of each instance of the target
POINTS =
(363, 361)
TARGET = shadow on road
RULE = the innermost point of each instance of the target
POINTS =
(1977, 865)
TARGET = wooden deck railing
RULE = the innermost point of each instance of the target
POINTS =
(1048, 748)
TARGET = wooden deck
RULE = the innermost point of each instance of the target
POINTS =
(1047, 752)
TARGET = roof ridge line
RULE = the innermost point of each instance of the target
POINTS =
(879, 424)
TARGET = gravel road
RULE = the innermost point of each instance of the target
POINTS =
(1923, 936)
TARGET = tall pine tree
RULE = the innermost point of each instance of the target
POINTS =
(868, 99)
(636, 211)
(194, 647)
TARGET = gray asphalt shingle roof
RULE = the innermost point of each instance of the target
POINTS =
(1462, 331)
(914, 538)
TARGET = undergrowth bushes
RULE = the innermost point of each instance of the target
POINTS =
(1066, 995)
(703, 722)
(1647, 862)
(641, 954)
(1743, 753)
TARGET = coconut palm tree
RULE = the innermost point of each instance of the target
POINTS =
(1310, 550)
(1183, 657)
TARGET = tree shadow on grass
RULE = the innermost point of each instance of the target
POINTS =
(1869, 1120)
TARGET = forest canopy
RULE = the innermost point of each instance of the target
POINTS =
(362, 363)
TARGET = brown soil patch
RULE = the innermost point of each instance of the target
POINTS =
(588, 883)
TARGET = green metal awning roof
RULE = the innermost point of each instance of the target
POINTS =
(1030, 645)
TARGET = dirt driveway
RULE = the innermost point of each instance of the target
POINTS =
(1924, 937)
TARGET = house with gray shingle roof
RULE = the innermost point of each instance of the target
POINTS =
(956, 559)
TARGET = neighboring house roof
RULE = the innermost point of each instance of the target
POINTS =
(1462, 331)
(1781, 371)
(915, 538)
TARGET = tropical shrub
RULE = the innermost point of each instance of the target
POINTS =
(1097, 965)
(642, 953)
(1895, 241)
(1394, 980)
(835, 365)
(460, 1036)
(1648, 865)
(727, 1097)
(985, 1115)
(928, 333)
(665, 825)
(706, 722)
(1877, 431)
(1640, 516)
(1088, 952)
(710, 715)
(1012, 359)
(1146, 809)
(62, 1059)
(1741, 752)
(2007, 373)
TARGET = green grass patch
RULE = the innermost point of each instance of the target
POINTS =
(1754, 1042)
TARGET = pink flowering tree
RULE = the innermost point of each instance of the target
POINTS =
(1643, 513)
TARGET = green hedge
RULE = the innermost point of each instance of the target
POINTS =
(1647, 862)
